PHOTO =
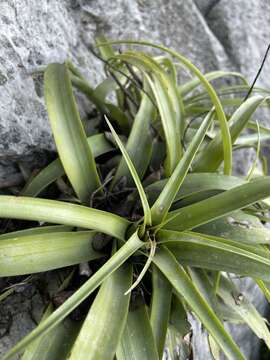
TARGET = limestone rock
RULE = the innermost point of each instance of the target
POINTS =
(33, 34)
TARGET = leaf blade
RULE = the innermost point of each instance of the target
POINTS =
(140, 133)
(160, 308)
(163, 203)
(44, 252)
(105, 322)
(219, 205)
(137, 341)
(59, 212)
(55, 170)
(227, 146)
(211, 157)
(145, 205)
(68, 131)
(213, 253)
(132, 245)
(167, 263)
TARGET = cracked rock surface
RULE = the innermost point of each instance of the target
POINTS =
(32, 34)
(214, 34)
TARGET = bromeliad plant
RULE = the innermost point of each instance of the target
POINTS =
(150, 204)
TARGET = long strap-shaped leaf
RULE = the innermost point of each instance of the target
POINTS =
(182, 284)
(110, 84)
(98, 144)
(194, 83)
(239, 226)
(265, 288)
(194, 183)
(229, 293)
(228, 90)
(145, 205)
(137, 342)
(218, 205)
(57, 344)
(83, 86)
(160, 308)
(139, 144)
(166, 96)
(208, 291)
(44, 252)
(69, 135)
(216, 253)
(59, 212)
(105, 322)
(131, 246)
(227, 146)
(163, 203)
(171, 128)
(211, 157)
(105, 108)
(36, 231)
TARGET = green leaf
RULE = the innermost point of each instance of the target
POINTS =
(248, 140)
(105, 88)
(162, 205)
(219, 205)
(210, 158)
(167, 99)
(160, 308)
(194, 183)
(177, 348)
(227, 90)
(227, 146)
(6, 293)
(97, 97)
(235, 300)
(119, 117)
(182, 284)
(59, 212)
(194, 83)
(118, 72)
(98, 144)
(253, 126)
(258, 150)
(214, 348)
(139, 144)
(201, 281)
(57, 344)
(44, 252)
(130, 247)
(137, 341)
(178, 316)
(83, 86)
(105, 322)
(36, 231)
(69, 135)
(265, 288)
(238, 226)
(214, 253)
(145, 205)
(106, 51)
(171, 128)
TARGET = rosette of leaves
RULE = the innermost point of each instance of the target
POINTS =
(144, 194)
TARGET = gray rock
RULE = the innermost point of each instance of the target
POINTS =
(32, 34)
(9, 176)
(19, 314)
(241, 29)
